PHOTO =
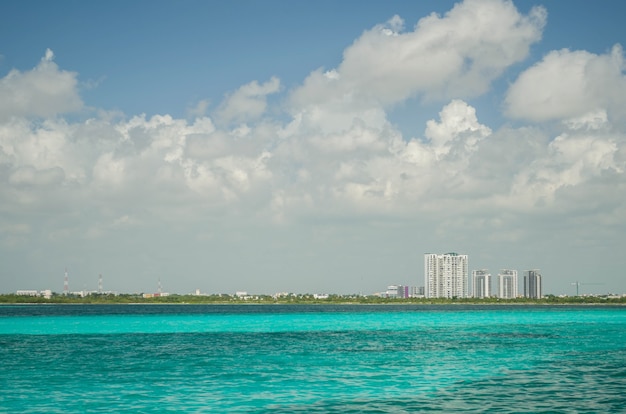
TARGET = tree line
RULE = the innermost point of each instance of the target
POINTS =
(295, 299)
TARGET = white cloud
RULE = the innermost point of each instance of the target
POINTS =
(591, 121)
(457, 55)
(338, 154)
(573, 160)
(248, 102)
(43, 91)
(569, 84)
(109, 171)
(41, 150)
(458, 122)
(356, 138)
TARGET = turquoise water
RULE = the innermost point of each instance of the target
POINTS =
(275, 358)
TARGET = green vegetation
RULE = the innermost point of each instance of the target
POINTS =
(297, 299)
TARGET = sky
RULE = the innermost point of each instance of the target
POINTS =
(310, 147)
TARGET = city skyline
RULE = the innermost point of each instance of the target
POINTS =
(481, 286)
(310, 146)
(506, 285)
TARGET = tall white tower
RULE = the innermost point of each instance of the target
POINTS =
(532, 284)
(445, 275)
(507, 284)
(100, 283)
(481, 283)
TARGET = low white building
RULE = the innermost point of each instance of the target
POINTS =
(27, 293)
(47, 293)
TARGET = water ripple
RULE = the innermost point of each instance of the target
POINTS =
(482, 365)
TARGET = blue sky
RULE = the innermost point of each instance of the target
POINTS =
(309, 146)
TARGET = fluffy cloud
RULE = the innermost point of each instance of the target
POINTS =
(457, 55)
(248, 102)
(569, 84)
(43, 91)
(573, 159)
(287, 170)
(45, 146)
(458, 121)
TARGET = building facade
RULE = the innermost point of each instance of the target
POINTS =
(507, 284)
(532, 284)
(392, 291)
(401, 292)
(445, 275)
(481, 283)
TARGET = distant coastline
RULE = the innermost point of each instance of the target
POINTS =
(296, 299)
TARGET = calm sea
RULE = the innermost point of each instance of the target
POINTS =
(308, 359)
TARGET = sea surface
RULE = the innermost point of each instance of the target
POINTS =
(312, 359)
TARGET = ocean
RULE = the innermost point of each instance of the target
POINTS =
(312, 359)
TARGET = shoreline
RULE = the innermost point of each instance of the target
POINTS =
(295, 304)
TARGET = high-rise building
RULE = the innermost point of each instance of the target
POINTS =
(532, 284)
(507, 284)
(445, 275)
(404, 292)
(481, 283)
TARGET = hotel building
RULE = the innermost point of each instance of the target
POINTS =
(507, 284)
(481, 283)
(445, 275)
(532, 284)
